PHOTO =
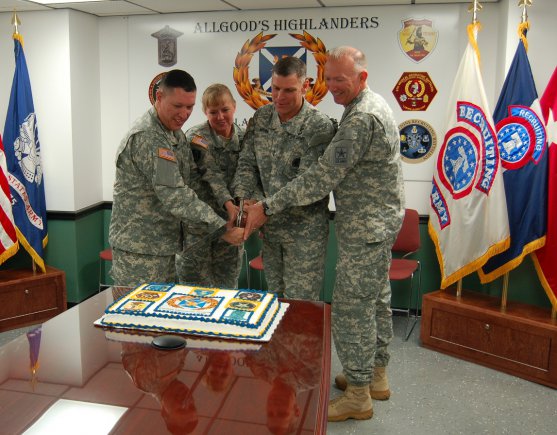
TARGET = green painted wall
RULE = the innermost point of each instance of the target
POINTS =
(74, 246)
(524, 285)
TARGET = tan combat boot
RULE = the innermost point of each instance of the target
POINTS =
(379, 387)
(354, 403)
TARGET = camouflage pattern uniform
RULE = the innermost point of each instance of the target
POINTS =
(151, 197)
(295, 240)
(362, 166)
(214, 263)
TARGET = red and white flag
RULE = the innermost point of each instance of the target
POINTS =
(468, 220)
(8, 238)
(545, 259)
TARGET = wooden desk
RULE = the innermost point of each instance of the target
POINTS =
(212, 391)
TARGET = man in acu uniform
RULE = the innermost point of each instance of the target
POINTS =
(152, 193)
(282, 140)
(362, 166)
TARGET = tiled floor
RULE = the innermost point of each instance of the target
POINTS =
(436, 394)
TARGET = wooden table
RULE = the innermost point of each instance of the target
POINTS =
(208, 387)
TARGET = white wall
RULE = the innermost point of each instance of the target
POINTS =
(85, 110)
(46, 45)
(90, 75)
(114, 93)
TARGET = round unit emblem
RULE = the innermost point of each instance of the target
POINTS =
(153, 86)
(417, 140)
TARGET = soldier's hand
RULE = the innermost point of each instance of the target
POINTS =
(232, 211)
(256, 218)
(249, 202)
(234, 236)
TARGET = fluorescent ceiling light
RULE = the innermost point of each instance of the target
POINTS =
(66, 415)
(48, 2)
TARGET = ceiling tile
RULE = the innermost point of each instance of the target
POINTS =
(365, 2)
(170, 6)
(105, 8)
(274, 4)
(20, 5)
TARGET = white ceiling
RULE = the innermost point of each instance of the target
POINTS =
(139, 7)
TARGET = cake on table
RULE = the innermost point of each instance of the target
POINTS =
(210, 312)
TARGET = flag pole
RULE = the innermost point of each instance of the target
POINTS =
(504, 292)
(15, 22)
(524, 4)
(474, 8)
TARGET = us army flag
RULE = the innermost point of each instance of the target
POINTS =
(522, 146)
(21, 139)
(545, 259)
(468, 215)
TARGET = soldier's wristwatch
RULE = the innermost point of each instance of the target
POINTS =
(266, 208)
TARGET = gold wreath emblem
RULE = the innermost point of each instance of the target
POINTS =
(253, 95)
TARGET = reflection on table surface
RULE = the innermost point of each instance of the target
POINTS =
(210, 386)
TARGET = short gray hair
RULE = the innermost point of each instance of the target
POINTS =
(359, 58)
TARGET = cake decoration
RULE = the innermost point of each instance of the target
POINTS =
(212, 312)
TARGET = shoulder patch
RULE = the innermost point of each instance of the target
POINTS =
(165, 153)
(199, 141)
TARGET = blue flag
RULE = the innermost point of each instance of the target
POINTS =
(522, 143)
(23, 156)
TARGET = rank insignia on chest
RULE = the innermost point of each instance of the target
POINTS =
(165, 153)
(199, 141)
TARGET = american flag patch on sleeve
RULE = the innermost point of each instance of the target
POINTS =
(199, 141)
(165, 153)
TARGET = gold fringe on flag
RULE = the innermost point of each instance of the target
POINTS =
(522, 29)
(473, 29)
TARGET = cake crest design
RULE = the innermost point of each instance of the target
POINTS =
(224, 313)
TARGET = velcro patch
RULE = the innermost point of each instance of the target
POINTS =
(341, 156)
(165, 153)
(200, 141)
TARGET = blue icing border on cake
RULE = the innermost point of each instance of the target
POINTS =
(190, 317)
(107, 310)
(196, 332)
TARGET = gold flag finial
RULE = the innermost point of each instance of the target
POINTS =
(474, 8)
(524, 4)
(15, 22)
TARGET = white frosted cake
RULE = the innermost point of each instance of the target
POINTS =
(237, 314)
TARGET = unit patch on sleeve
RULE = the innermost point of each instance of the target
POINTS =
(342, 154)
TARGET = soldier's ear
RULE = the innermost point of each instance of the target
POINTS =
(363, 76)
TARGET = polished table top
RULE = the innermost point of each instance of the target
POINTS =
(210, 387)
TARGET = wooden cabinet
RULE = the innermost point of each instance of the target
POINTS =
(521, 341)
(27, 298)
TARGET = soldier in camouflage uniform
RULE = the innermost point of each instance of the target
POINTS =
(215, 146)
(151, 191)
(362, 166)
(282, 140)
